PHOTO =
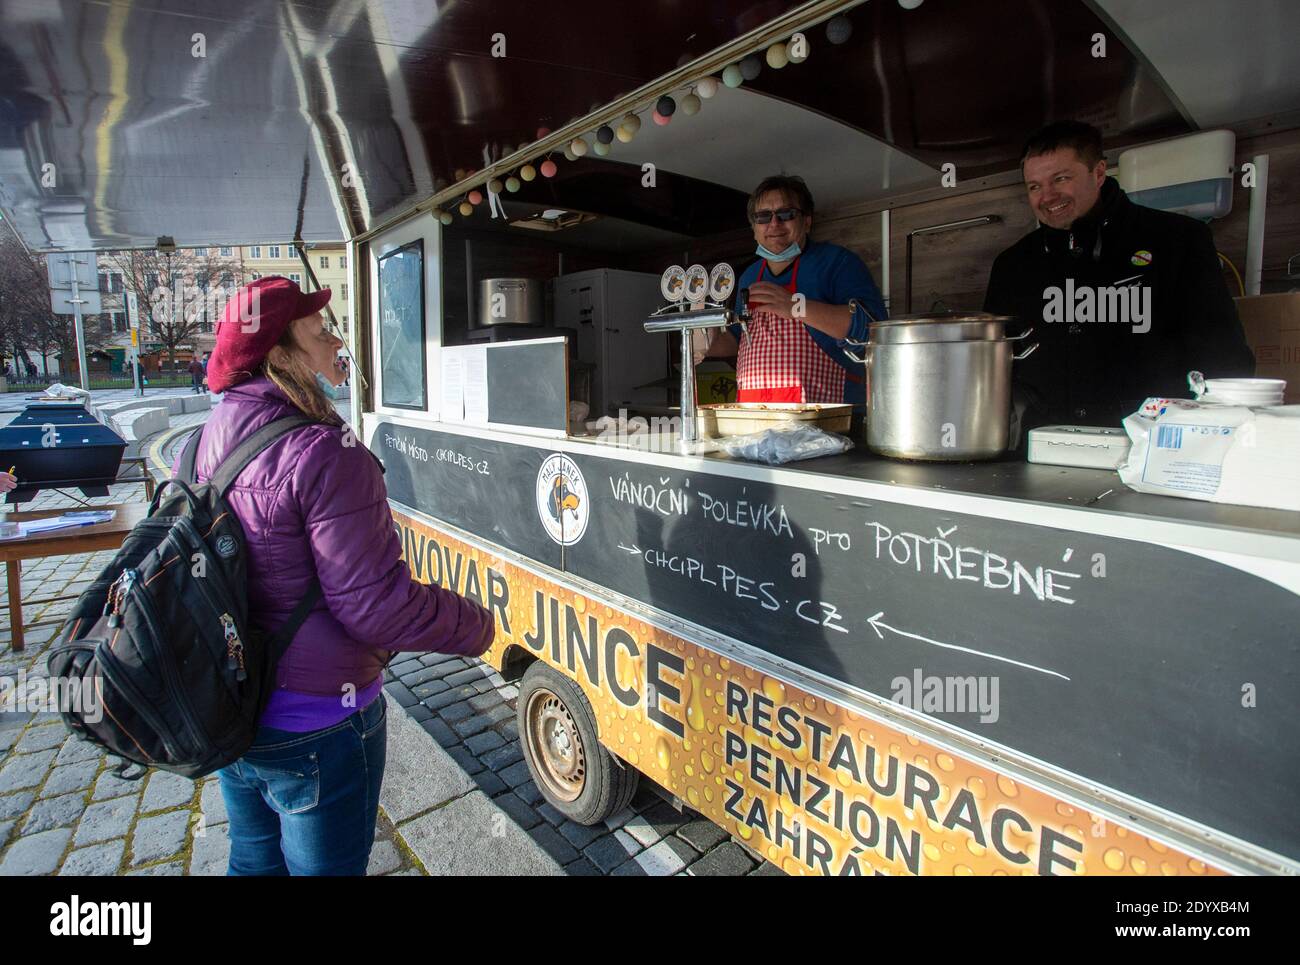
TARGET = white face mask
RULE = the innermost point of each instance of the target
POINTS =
(792, 252)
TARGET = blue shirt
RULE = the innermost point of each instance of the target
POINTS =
(831, 274)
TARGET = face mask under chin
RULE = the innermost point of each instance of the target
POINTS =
(792, 252)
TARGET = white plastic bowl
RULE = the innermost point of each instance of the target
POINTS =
(1257, 392)
(1248, 386)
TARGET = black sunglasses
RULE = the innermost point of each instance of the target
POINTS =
(782, 214)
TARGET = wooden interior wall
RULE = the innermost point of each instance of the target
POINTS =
(735, 247)
(949, 268)
(1281, 215)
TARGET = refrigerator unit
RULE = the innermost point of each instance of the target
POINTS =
(608, 307)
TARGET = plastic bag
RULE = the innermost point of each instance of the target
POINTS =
(1248, 456)
(787, 443)
(58, 390)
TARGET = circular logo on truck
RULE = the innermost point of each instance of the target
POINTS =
(562, 499)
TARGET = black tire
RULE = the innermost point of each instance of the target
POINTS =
(598, 783)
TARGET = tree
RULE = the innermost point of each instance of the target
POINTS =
(27, 321)
(180, 293)
(57, 335)
(24, 298)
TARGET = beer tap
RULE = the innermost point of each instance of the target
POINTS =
(689, 309)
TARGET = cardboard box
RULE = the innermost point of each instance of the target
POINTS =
(1272, 324)
(715, 381)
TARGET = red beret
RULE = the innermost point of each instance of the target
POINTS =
(255, 319)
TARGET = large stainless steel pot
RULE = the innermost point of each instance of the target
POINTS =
(939, 386)
(510, 301)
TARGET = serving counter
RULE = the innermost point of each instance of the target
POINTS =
(1133, 656)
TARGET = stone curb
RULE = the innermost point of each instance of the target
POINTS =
(450, 825)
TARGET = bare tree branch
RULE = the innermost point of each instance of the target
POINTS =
(180, 294)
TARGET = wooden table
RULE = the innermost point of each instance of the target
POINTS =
(60, 542)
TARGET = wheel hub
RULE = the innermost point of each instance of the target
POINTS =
(556, 745)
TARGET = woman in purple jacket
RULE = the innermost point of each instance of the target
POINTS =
(313, 506)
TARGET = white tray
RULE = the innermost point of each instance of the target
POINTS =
(1089, 447)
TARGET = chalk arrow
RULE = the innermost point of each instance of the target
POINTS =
(880, 627)
(629, 549)
(876, 624)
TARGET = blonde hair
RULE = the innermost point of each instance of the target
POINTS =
(285, 367)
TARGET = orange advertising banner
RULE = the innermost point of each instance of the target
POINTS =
(812, 786)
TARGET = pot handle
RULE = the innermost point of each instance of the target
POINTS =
(848, 345)
(1027, 352)
(856, 306)
(1025, 334)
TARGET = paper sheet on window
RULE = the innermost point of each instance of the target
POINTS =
(476, 386)
(452, 394)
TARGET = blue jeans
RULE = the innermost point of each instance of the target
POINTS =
(306, 803)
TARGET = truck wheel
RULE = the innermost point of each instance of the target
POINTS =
(576, 775)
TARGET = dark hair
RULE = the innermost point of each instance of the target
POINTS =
(1083, 138)
(790, 184)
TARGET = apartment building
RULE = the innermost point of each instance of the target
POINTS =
(328, 263)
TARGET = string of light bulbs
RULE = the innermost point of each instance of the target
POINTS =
(777, 56)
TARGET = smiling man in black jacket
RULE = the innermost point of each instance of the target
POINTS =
(1124, 300)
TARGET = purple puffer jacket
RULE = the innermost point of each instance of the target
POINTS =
(311, 506)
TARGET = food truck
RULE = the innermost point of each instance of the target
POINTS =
(854, 664)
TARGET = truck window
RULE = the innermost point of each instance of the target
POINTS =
(401, 326)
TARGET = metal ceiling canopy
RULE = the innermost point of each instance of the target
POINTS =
(270, 120)
(841, 164)
(254, 120)
(119, 125)
(1225, 61)
(966, 83)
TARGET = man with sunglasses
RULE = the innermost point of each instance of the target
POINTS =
(799, 294)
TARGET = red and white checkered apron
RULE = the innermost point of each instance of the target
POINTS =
(779, 361)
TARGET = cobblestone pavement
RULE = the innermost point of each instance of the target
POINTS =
(63, 812)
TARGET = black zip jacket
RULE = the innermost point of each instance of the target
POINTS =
(1095, 372)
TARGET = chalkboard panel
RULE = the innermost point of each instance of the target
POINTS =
(1118, 660)
(1162, 674)
(483, 486)
(1121, 661)
(528, 384)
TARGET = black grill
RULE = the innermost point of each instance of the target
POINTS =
(59, 446)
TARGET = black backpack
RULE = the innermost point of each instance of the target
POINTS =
(170, 673)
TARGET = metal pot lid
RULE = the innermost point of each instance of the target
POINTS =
(940, 327)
